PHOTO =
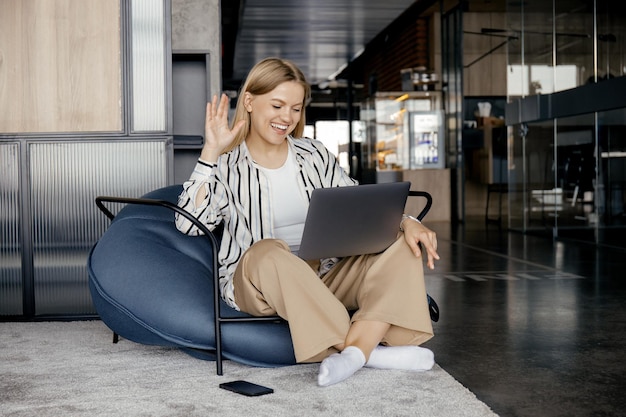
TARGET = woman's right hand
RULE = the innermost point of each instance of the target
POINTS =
(217, 134)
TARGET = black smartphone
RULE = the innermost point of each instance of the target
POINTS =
(246, 388)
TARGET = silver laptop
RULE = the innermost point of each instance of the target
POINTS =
(355, 220)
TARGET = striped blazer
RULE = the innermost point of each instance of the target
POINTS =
(238, 195)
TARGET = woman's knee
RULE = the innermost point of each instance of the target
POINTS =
(263, 249)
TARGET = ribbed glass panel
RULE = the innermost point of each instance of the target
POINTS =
(66, 178)
(10, 248)
(148, 65)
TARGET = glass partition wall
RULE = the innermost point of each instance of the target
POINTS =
(566, 114)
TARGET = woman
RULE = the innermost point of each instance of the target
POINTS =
(257, 179)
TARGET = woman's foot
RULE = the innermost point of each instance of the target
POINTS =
(340, 366)
(408, 358)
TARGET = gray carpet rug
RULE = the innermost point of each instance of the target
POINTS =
(73, 369)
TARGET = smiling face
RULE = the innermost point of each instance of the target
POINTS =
(274, 115)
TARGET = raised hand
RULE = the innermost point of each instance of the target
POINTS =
(217, 133)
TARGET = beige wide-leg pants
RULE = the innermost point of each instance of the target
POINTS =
(387, 287)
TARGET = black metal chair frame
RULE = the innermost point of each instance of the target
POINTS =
(219, 320)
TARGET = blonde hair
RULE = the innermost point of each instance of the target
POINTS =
(264, 77)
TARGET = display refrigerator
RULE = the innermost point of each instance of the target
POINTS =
(404, 131)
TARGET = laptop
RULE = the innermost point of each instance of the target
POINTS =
(353, 220)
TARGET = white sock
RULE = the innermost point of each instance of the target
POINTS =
(340, 366)
(408, 358)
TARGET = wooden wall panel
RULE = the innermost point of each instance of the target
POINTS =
(484, 76)
(437, 183)
(60, 66)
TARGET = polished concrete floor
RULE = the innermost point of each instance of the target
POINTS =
(532, 326)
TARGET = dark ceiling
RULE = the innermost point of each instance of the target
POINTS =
(320, 36)
(323, 37)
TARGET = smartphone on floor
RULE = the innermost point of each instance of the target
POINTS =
(246, 388)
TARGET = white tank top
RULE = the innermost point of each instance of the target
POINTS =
(289, 205)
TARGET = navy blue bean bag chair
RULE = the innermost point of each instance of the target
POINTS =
(154, 285)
